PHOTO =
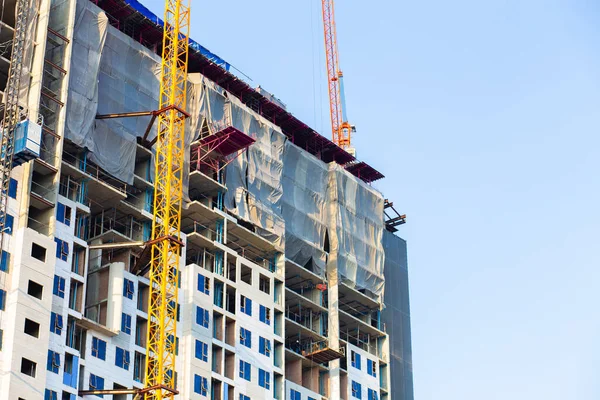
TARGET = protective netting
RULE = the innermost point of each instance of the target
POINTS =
(396, 316)
(355, 221)
(254, 178)
(294, 199)
(112, 73)
(290, 197)
(28, 48)
(303, 207)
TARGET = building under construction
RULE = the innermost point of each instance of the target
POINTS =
(291, 282)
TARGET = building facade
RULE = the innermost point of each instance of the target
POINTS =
(282, 270)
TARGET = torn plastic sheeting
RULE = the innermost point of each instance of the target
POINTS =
(254, 178)
(208, 104)
(303, 207)
(355, 230)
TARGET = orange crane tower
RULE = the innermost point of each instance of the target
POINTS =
(341, 129)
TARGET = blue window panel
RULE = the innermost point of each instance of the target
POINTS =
(356, 390)
(244, 397)
(128, 288)
(12, 188)
(60, 212)
(372, 368)
(245, 371)
(59, 243)
(50, 395)
(295, 395)
(126, 323)
(62, 249)
(56, 323)
(59, 286)
(63, 214)
(264, 346)
(8, 226)
(355, 360)
(202, 317)
(264, 379)
(246, 337)
(4, 261)
(98, 348)
(265, 315)
(96, 382)
(70, 377)
(122, 359)
(246, 305)
(53, 364)
(203, 284)
(200, 385)
(373, 395)
(2, 299)
(201, 351)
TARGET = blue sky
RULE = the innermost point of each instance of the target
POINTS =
(484, 117)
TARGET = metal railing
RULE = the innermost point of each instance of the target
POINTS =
(94, 171)
(45, 192)
(112, 220)
(305, 319)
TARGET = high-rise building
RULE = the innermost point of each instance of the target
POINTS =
(282, 278)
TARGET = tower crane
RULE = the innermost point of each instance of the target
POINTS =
(165, 243)
(168, 198)
(340, 127)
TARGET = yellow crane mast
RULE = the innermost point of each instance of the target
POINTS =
(165, 243)
(168, 197)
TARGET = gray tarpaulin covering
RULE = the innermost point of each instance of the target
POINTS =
(303, 207)
(254, 178)
(355, 230)
(110, 73)
(34, 6)
(207, 102)
(396, 317)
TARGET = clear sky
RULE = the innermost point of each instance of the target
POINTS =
(484, 116)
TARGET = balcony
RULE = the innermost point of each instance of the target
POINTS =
(106, 189)
(113, 226)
